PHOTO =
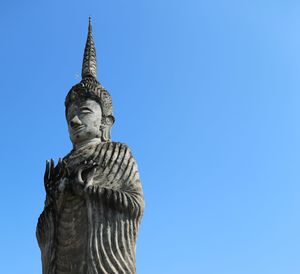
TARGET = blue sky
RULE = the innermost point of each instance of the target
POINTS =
(207, 95)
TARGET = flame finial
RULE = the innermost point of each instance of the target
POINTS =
(89, 64)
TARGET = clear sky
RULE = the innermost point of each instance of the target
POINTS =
(207, 95)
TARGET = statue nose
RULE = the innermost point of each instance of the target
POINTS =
(75, 122)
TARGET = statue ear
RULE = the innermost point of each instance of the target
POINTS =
(109, 120)
(106, 125)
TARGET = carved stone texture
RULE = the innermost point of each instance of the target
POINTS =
(94, 199)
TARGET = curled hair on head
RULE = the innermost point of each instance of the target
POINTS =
(90, 88)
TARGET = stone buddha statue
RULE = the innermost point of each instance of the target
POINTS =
(94, 199)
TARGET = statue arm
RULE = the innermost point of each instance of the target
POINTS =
(45, 226)
(115, 179)
(128, 201)
(54, 186)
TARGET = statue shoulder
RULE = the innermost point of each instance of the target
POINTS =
(112, 151)
(116, 144)
(115, 157)
(123, 145)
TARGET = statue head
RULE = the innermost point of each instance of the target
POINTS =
(89, 110)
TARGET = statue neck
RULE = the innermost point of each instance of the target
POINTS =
(94, 141)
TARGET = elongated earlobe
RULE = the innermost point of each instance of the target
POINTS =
(105, 128)
(105, 137)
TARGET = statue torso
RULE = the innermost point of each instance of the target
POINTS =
(96, 232)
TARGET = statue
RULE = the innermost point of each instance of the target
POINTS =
(94, 200)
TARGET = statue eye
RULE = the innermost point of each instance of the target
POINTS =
(85, 110)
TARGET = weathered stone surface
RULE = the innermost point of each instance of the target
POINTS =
(94, 199)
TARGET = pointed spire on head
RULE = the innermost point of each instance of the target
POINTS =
(89, 64)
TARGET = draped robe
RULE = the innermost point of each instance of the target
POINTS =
(93, 231)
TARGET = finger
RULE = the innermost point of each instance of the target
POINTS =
(49, 170)
(91, 175)
(92, 163)
(52, 168)
(94, 170)
(60, 167)
(46, 174)
(79, 177)
(56, 169)
(65, 167)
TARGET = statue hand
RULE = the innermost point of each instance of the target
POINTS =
(53, 176)
(61, 169)
(85, 177)
(49, 176)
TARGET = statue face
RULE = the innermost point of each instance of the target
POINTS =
(84, 121)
